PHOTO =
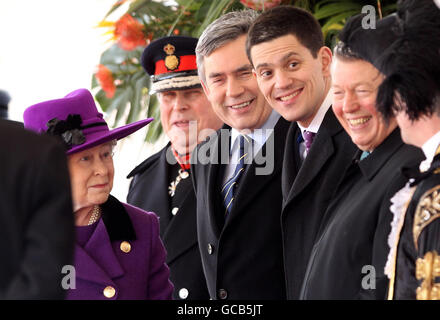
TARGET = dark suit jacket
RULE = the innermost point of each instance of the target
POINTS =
(242, 256)
(355, 238)
(307, 191)
(36, 216)
(149, 191)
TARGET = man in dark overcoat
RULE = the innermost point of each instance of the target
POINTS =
(237, 176)
(292, 66)
(162, 183)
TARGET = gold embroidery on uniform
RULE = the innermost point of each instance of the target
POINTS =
(427, 269)
(428, 209)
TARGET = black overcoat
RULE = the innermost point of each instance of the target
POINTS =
(308, 188)
(242, 254)
(149, 191)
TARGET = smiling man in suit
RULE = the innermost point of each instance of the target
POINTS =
(239, 190)
(292, 66)
(162, 183)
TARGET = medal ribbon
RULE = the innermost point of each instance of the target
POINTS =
(182, 160)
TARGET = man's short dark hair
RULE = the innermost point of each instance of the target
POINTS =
(285, 20)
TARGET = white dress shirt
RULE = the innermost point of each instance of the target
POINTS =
(315, 124)
(258, 137)
(429, 148)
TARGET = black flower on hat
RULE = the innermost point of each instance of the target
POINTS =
(69, 130)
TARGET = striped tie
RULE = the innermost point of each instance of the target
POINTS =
(230, 186)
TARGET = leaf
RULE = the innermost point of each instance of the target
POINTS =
(94, 82)
(115, 6)
(333, 9)
(386, 10)
(155, 129)
(102, 100)
(113, 55)
(182, 11)
(119, 101)
(150, 8)
(214, 12)
(136, 100)
(337, 20)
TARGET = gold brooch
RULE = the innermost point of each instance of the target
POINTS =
(171, 61)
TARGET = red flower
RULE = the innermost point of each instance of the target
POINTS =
(105, 80)
(258, 4)
(129, 33)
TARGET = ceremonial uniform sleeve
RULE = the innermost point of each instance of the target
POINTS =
(426, 237)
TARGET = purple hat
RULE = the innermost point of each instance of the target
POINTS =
(76, 121)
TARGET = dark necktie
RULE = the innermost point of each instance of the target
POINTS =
(228, 189)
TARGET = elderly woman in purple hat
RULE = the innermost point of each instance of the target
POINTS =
(118, 253)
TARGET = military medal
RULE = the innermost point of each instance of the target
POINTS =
(183, 174)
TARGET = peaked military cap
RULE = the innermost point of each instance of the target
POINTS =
(171, 63)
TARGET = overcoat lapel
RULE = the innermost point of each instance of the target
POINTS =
(214, 173)
(322, 149)
(291, 161)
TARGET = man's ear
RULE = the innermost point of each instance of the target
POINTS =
(205, 88)
(325, 56)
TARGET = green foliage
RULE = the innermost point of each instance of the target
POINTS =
(131, 100)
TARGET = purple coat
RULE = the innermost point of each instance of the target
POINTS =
(105, 272)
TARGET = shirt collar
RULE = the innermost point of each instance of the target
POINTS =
(319, 117)
(430, 147)
(258, 136)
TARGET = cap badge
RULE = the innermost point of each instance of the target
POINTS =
(171, 61)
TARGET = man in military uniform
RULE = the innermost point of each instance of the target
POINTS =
(162, 183)
(411, 92)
